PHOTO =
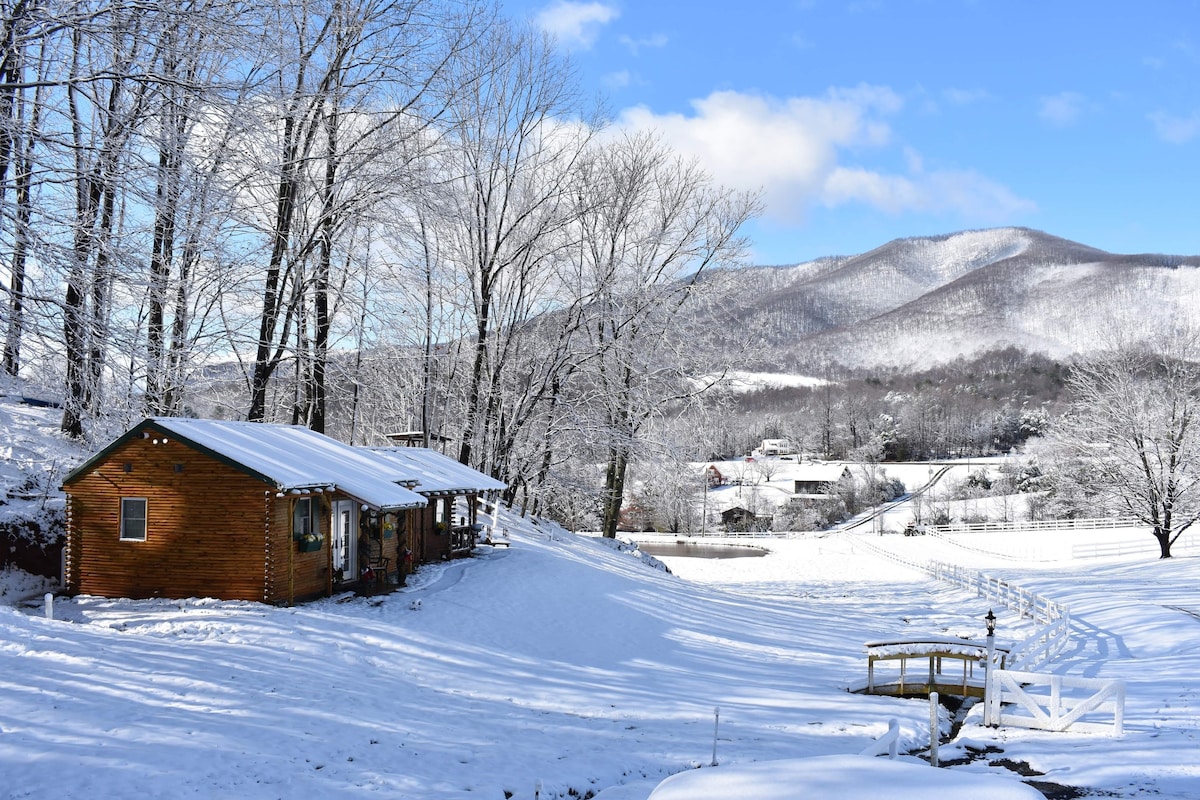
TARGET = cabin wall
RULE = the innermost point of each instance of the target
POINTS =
(206, 526)
(293, 574)
(433, 534)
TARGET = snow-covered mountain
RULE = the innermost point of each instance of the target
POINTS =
(916, 302)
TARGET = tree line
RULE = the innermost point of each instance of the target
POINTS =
(359, 217)
(990, 403)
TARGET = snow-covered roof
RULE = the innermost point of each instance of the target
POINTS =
(289, 457)
(818, 472)
(435, 473)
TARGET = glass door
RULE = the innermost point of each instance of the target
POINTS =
(345, 543)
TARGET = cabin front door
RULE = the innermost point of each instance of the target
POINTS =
(345, 541)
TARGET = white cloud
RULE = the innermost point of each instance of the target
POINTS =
(964, 97)
(1062, 109)
(576, 24)
(635, 45)
(618, 80)
(1176, 130)
(793, 150)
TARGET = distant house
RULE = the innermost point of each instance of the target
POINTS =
(234, 510)
(447, 525)
(713, 476)
(818, 480)
(777, 447)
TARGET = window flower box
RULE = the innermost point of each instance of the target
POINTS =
(309, 543)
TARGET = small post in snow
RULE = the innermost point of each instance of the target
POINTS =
(49, 605)
(497, 525)
(933, 729)
(988, 683)
(716, 724)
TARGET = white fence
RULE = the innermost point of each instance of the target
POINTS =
(1024, 602)
(1145, 545)
(1046, 642)
(1012, 701)
(888, 743)
(1036, 650)
(1043, 646)
(1034, 525)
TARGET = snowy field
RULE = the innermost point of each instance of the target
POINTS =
(561, 667)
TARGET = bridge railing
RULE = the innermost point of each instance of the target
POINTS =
(950, 665)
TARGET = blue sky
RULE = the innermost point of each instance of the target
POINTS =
(863, 122)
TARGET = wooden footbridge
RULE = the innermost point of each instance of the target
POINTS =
(916, 667)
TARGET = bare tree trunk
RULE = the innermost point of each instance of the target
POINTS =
(24, 214)
(324, 269)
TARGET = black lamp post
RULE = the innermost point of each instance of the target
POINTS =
(989, 712)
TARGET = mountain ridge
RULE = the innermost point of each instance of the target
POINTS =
(915, 302)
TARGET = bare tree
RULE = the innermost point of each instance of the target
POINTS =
(355, 81)
(650, 225)
(1135, 423)
(106, 93)
(21, 95)
(194, 118)
(509, 165)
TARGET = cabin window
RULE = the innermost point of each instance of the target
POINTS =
(304, 515)
(133, 519)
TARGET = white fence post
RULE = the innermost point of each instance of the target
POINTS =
(716, 723)
(889, 742)
(933, 729)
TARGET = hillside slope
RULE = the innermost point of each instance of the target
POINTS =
(916, 302)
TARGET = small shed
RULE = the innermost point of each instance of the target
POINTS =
(180, 507)
(447, 525)
(738, 518)
(818, 481)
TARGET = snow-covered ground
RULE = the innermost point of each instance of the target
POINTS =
(562, 667)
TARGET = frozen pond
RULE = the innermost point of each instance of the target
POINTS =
(697, 550)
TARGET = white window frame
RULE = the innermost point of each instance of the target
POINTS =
(126, 518)
(309, 517)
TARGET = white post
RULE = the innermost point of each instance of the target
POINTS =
(497, 526)
(716, 723)
(933, 729)
(49, 605)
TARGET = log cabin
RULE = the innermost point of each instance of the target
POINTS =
(180, 507)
